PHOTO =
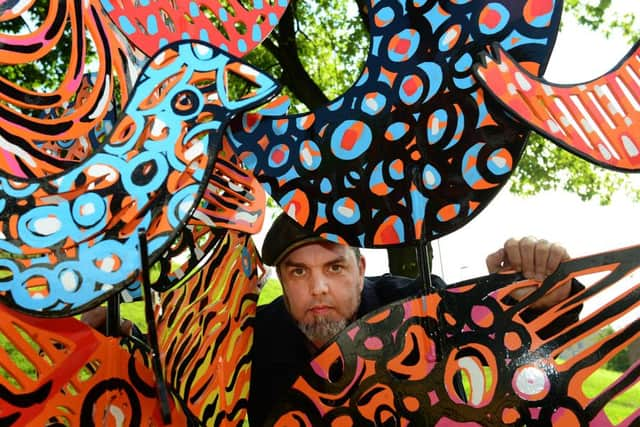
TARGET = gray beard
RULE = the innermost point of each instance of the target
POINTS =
(322, 329)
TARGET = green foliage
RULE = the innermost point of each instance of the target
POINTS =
(545, 166)
(601, 15)
(621, 361)
(590, 13)
(616, 409)
(19, 359)
(332, 42)
(134, 311)
(327, 39)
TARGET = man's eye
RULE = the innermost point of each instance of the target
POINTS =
(336, 268)
(297, 272)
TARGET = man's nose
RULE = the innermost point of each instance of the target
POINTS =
(319, 284)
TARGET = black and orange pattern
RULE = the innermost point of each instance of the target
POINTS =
(235, 26)
(205, 332)
(398, 365)
(62, 372)
(596, 120)
(415, 149)
(76, 111)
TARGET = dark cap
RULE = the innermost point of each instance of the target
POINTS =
(284, 236)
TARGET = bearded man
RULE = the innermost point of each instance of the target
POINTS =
(325, 288)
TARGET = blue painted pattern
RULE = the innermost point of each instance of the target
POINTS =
(413, 146)
(77, 232)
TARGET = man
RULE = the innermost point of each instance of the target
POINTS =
(325, 289)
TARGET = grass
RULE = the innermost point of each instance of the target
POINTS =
(134, 311)
(623, 405)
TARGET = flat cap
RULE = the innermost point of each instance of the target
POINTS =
(284, 236)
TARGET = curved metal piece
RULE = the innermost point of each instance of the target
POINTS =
(11, 9)
(597, 120)
(72, 237)
(63, 372)
(21, 132)
(233, 200)
(413, 150)
(233, 26)
(76, 149)
(205, 332)
(522, 368)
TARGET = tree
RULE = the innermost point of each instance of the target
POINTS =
(601, 15)
(621, 361)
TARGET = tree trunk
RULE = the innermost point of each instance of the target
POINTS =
(403, 261)
(283, 46)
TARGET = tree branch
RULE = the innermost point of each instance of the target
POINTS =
(285, 49)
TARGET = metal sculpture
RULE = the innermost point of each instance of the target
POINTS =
(596, 120)
(383, 369)
(233, 200)
(205, 333)
(233, 26)
(78, 149)
(22, 134)
(150, 175)
(62, 372)
(226, 195)
(414, 150)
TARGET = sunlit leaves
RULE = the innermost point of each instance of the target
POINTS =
(606, 16)
(545, 167)
(333, 43)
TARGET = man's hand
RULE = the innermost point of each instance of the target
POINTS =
(97, 319)
(536, 259)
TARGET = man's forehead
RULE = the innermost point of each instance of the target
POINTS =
(298, 255)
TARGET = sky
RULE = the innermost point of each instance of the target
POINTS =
(584, 228)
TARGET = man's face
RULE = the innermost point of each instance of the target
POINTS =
(322, 283)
